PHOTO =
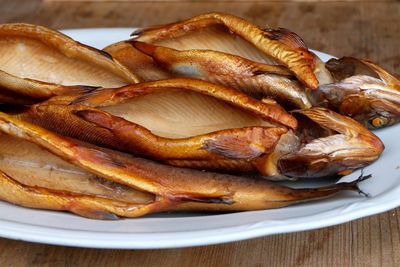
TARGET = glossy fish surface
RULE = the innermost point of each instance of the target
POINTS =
(168, 120)
(39, 63)
(230, 51)
(362, 90)
(273, 45)
(331, 144)
(175, 188)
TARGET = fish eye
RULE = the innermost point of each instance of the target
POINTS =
(380, 121)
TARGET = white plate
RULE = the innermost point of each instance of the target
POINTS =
(189, 229)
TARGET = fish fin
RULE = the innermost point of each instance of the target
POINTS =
(91, 213)
(99, 118)
(232, 147)
(286, 37)
(97, 156)
(246, 143)
(385, 76)
(355, 184)
(334, 121)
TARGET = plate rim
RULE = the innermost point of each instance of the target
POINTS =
(68, 237)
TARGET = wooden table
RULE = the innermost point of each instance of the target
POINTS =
(361, 29)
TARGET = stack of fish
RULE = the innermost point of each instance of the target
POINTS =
(180, 117)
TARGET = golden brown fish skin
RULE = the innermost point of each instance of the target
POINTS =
(8, 97)
(92, 207)
(331, 144)
(363, 91)
(33, 89)
(252, 78)
(105, 209)
(353, 146)
(281, 44)
(231, 166)
(175, 184)
(142, 65)
(267, 110)
(107, 130)
(86, 122)
(32, 165)
(218, 62)
(244, 143)
(66, 46)
(263, 161)
(101, 128)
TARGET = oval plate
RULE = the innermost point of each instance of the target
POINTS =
(171, 230)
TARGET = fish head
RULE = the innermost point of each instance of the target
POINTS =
(363, 91)
(331, 144)
(366, 99)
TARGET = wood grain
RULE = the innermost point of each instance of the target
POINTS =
(362, 29)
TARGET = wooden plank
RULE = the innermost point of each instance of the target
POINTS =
(372, 241)
(362, 29)
(366, 29)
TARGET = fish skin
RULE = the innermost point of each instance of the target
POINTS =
(218, 62)
(281, 44)
(267, 110)
(33, 89)
(86, 122)
(363, 91)
(92, 207)
(244, 143)
(39, 90)
(252, 78)
(173, 186)
(353, 146)
(106, 128)
(137, 62)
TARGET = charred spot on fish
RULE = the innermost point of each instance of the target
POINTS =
(101, 52)
(136, 32)
(88, 88)
(91, 213)
(259, 72)
(105, 54)
(210, 200)
(82, 98)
